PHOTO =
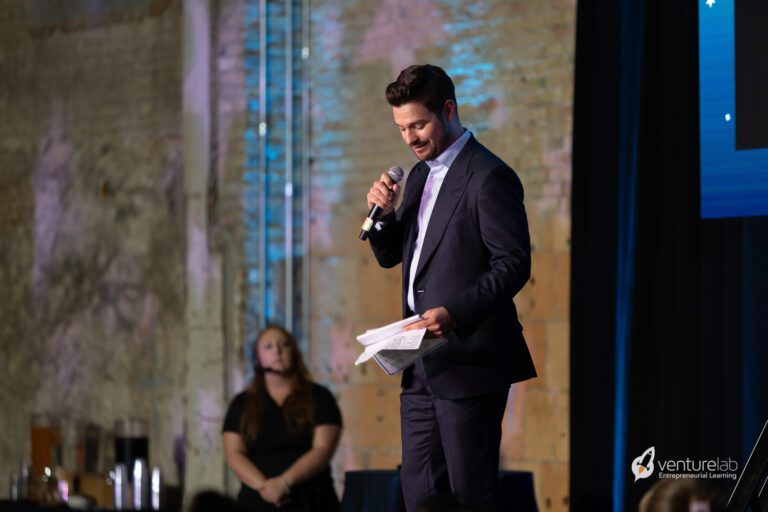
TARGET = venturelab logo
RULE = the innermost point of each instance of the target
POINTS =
(642, 466)
(700, 469)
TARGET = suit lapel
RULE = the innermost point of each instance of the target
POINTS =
(453, 187)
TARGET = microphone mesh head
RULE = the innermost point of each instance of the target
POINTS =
(396, 173)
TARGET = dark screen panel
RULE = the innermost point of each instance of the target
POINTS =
(751, 41)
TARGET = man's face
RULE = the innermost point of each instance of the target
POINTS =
(423, 130)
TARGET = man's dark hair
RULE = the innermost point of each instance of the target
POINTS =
(422, 83)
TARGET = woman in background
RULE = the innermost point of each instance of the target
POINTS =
(280, 434)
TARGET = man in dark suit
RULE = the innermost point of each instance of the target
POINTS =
(461, 234)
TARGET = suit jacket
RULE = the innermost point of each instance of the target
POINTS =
(476, 256)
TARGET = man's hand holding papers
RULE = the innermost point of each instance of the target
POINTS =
(394, 347)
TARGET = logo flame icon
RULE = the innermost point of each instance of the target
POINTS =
(642, 466)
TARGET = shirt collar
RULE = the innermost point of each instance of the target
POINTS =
(450, 153)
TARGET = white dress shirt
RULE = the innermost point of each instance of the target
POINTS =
(438, 168)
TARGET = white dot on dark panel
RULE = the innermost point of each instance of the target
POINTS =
(727, 117)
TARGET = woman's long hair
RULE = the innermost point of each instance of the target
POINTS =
(299, 407)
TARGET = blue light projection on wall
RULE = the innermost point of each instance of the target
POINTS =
(734, 182)
(275, 167)
(467, 61)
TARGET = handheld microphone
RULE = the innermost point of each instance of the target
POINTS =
(396, 173)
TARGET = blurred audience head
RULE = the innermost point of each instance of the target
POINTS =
(680, 496)
(446, 503)
(214, 501)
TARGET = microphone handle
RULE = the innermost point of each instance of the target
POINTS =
(370, 220)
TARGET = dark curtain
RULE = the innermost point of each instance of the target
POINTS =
(685, 369)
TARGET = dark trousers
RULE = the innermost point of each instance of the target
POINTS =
(449, 446)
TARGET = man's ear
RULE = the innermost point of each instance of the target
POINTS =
(449, 109)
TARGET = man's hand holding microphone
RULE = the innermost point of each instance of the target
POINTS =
(382, 197)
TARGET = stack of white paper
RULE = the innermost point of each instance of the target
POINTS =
(395, 348)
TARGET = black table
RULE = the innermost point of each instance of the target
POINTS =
(378, 490)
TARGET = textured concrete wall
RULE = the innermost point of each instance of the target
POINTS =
(512, 63)
(204, 391)
(92, 243)
(109, 279)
